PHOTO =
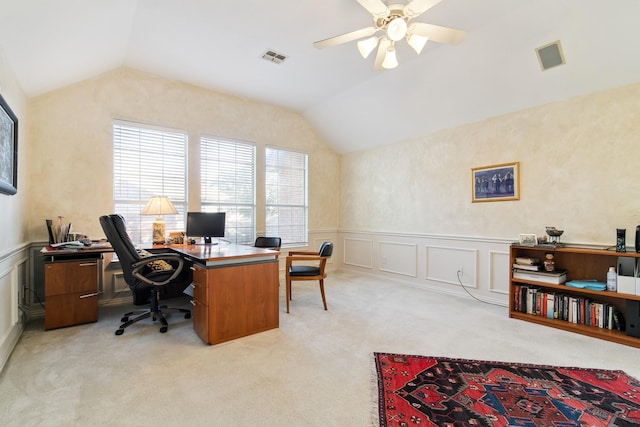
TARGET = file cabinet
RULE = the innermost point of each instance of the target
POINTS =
(71, 291)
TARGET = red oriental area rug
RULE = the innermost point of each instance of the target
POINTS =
(435, 391)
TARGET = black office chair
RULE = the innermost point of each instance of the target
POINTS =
(268, 242)
(146, 276)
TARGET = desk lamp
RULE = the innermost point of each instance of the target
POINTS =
(159, 205)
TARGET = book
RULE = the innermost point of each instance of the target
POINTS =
(557, 277)
(550, 306)
(529, 267)
(525, 260)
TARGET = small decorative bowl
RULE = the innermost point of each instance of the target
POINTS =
(554, 232)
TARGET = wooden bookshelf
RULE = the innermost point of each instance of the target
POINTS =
(581, 264)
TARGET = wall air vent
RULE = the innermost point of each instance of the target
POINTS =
(275, 57)
(550, 55)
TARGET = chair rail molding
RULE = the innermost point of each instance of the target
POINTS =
(14, 273)
(432, 261)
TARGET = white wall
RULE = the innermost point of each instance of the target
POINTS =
(13, 246)
(578, 172)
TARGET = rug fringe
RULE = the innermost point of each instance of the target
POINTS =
(375, 403)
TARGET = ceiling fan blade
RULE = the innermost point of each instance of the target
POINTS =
(418, 7)
(344, 38)
(437, 33)
(382, 52)
(375, 7)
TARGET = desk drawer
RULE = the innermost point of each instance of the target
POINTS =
(199, 284)
(71, 309)
(70, 277)
(200, 315)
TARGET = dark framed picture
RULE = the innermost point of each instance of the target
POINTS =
(495, 183)
(8, 149)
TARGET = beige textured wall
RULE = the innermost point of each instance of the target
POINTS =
(70, 165)
(12, 206)
(579, 171)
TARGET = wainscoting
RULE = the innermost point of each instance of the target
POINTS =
(433, 262)
(14, 276)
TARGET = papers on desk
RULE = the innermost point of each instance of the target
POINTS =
(72, 244)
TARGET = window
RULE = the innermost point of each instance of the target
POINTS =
(227, 184)
(286, 195)
(148, 161)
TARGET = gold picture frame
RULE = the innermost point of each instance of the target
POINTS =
(495, 183)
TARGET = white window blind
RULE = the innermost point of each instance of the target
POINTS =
(286, 196)
(148, 161)
(227, 184)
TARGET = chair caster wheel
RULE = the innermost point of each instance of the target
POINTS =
(187, 316)
(163, 329)
(124, 319)
(120, 332)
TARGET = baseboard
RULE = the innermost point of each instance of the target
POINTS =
(8, 343)
(456, 291)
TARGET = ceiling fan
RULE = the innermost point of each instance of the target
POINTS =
(394, 20)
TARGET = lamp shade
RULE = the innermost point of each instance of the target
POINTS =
(417, 42)
(390, 60)
(366, 46)
(159, 205)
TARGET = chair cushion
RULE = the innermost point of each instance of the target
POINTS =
(303, 270)
(156, 265)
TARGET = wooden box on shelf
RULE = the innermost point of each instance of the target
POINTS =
(580, 264)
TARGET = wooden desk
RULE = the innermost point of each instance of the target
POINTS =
(235, 290)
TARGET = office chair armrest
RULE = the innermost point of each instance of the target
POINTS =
(139, 266)
(303, 253)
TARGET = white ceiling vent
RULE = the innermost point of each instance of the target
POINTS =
(550, 55)
(275, 57)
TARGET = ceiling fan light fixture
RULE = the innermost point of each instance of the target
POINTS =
(397, 29)
(366, 46)
(390, 60)
(417, 42)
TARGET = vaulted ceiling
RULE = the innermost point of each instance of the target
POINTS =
(219, 45)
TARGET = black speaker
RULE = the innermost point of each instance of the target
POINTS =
(638, 238)
(621, 237)
(633, 318)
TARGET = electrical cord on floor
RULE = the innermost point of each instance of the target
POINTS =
(116, 295)
(26, 316)
(473, 296)
(35, 294)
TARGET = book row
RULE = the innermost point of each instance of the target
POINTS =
(574, 309)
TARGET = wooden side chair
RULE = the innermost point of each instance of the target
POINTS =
(269, 243)
(308, 272)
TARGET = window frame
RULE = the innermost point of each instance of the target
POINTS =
(240, 206)
(158, 149)
(284, 229)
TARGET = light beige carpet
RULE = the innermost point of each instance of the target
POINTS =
(312, 371)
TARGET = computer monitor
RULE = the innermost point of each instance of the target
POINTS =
(205, 224)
